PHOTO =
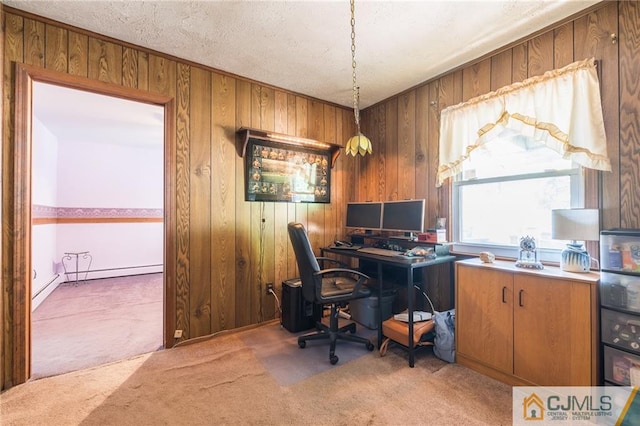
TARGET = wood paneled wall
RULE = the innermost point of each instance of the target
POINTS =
(404, 129)
(227, 248)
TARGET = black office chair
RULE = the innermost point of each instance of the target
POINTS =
(335, 287)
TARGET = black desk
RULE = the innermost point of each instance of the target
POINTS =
(409, 265)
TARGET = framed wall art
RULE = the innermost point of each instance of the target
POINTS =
(287, 170)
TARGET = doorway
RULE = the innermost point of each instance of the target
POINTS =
(97, 227)
(26, 77)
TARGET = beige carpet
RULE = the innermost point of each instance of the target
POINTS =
(96, 322)
(223, 381)
(277, 349)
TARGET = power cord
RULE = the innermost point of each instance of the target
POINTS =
(433, 311)
(277, 305)
(261, 255)
(277, 300)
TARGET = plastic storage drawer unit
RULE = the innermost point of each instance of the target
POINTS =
(621, 368)
(620, 291)
(620, 305)
(621, 330)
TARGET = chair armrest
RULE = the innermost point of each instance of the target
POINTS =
(321, 260)
(343, 270)
(361, 277)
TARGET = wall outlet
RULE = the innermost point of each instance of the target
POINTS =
(177, 334)
(269, 288)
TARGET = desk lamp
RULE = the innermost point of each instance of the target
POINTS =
(575, 225)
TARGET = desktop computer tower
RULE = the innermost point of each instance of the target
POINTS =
(297, 313)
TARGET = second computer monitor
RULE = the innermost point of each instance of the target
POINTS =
(403, 216)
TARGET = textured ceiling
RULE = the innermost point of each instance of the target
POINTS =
(305, 46)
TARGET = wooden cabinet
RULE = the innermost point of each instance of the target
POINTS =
(484, 317)
(527, 327)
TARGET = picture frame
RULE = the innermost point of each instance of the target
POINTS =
(283, 172)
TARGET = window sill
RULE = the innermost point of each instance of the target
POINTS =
(545, 256)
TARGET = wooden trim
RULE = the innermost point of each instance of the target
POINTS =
(3, 286)
(61, 220)
(170, 219)
(480, 367)
(43, 75)
(21, 303)
(226, 332)
(22, 220)
(245, 134)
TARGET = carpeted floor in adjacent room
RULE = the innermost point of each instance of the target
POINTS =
(96, 322)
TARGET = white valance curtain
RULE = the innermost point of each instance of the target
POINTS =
(560, 108)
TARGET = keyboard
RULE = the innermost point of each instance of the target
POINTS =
(352, 247)
(380, 251)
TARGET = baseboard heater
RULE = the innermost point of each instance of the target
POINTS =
(45, 286)
(116, 269)
(84, 274)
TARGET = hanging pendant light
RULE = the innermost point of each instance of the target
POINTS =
(358, 144)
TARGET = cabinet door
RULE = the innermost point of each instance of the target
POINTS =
(484, 315)
(552, 331)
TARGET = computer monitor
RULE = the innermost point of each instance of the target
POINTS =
(403, 216)
(364, 215)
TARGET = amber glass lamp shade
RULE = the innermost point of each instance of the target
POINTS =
(358, 144)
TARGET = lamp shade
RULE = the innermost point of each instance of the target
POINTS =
(358, 144)
(575, 224)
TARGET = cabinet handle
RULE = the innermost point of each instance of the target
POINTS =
(520, 302)
(504, 297)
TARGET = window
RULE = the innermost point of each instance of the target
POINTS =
(507, 189)
(517, 153)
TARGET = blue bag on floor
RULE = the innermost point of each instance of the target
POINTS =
(444, 341)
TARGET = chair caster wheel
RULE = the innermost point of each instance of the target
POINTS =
(302, 344)
(333, 360)
(370, 346)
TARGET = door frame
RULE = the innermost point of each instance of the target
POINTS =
(21, 233)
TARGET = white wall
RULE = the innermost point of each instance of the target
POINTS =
(44, 165)
(117, 249)
(112, 176)
(43, 237)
